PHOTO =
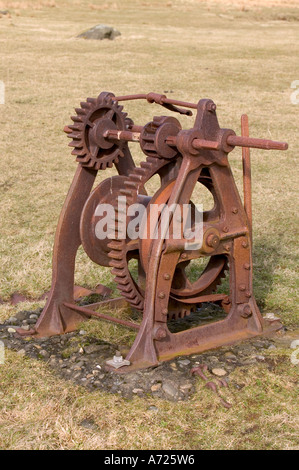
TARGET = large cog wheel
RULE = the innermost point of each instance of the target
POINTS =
(121, 252)
(92, 119)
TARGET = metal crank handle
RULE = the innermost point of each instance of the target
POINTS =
(264, 144)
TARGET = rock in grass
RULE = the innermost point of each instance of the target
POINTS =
(21, 352)
(219, 372)
(99, 32)
(170, 390)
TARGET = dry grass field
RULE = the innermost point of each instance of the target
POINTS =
(243, 55)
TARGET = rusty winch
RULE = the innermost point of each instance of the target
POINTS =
(162, 289)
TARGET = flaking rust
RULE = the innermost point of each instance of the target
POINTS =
(100, 135)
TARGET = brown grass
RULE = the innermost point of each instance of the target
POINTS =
(245, 61)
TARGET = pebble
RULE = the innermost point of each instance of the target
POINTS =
(272, 346)
(153, 408)
(137, 390)
(11, 330)
(44, 353)
(12, 320)
(82, 332)
(186, 387)
(33, 316)
(169, 389)
(231, 356)
(219, 372)
(94, 348)
(184, 362)
(21, 352)
(156, 387)
(214, 358)
(260, 358)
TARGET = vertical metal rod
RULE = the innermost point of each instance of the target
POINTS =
(246, 172)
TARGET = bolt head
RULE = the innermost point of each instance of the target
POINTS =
(161, 295)
(213, 240)
(166, 276)
(246, 313)
(160, 333)
(242, 287)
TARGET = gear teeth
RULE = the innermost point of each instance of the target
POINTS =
(130, 295)
(76, 118)
(75, 135)
(83, 121)
(116, 264)
(80, 111)
(118, 257)
(122, 280)
(85, 105)
(115, 245)
(131, 184)
(76, 127)
(115, 255)
(126, 289)
(77, 152)
(125, 192)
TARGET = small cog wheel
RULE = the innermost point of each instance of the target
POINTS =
(92, 119)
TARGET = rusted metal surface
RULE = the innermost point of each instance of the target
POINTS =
(182, 159)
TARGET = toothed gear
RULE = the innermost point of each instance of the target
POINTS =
(92, 119)
(120, 249)
(153, 137)
(133, 186)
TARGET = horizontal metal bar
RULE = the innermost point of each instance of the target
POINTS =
(264, 144)
(102, 316)
(201, 299)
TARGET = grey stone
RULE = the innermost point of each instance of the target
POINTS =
(169, 389)
(184, 362)
(33, 316)
(12, 320)
(99, 32)
(260, 358)
(11, 330)
(44, 353)
(21, 352)
(94, 348)
(137, 390)
(153, 408)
